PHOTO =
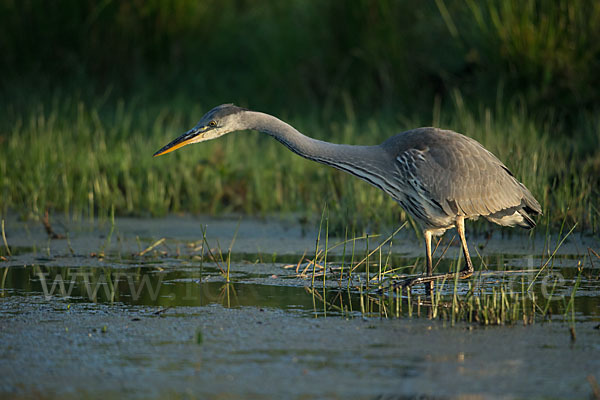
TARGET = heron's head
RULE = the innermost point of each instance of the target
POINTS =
(215, 123)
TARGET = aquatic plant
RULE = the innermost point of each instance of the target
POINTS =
(489, 297)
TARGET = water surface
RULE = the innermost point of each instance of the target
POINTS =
(104, 314)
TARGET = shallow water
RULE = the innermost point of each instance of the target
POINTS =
(274, 286)
(90, 316)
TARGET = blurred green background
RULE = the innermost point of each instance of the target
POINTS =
(90, 89)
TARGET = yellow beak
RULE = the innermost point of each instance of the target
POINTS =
(183, 140)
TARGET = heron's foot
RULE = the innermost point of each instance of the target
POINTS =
(409, 282)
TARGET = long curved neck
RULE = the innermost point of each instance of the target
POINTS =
(365, 162)
(307, 147)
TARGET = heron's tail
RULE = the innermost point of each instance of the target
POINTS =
(519, 215)
(531, 207)
(526, 221)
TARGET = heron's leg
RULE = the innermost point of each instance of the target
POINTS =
(429, 262)
(430, 278)
(460, 227)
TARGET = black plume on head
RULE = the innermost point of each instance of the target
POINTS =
(224, 110)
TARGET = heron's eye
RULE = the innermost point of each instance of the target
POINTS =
(212, 124)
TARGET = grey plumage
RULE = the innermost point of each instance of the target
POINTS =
(439, 177)
(460, 177)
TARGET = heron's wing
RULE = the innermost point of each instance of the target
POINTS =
(462, 176)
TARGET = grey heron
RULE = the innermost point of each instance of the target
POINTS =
(439, 177)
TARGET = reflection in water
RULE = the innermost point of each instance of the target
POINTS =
(490, 298)
(148, 286)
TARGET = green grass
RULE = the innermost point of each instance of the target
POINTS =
(389, 54)
(86, 158)
(91, 89)
(496, 294)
